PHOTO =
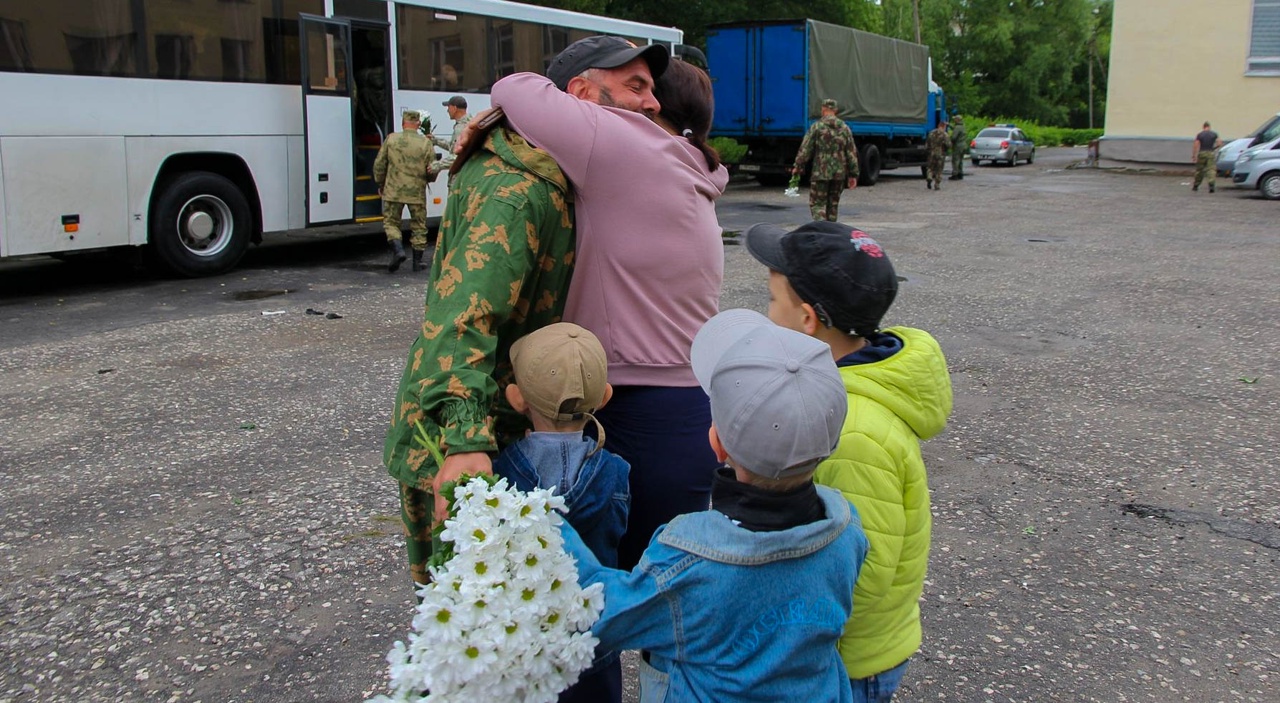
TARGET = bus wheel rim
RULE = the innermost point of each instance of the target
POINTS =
(205, 225)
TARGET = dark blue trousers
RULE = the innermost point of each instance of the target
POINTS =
(662, 433)
(603, 686)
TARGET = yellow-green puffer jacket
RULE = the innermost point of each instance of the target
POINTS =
(893, 404)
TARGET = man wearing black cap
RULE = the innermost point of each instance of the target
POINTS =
(457, 109)
(611, 71)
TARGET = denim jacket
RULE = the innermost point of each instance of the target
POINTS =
(596, 491)
(734, 616)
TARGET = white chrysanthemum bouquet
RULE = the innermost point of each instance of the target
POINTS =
(504, 618)
(793, 187)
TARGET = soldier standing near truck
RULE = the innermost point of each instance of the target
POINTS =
(401, 173)
(830, 145)
(959, 142)
(937, 145)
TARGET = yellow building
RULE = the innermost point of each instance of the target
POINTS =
(1178, 63)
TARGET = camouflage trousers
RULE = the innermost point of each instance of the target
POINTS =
(417, 504)
(824, 199)
(936, 164)
(1206, 168)
(957, 163)
(391, 217)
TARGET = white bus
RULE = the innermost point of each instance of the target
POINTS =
(194, 126)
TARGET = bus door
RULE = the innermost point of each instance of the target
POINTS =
(371, 78)
(328, 116)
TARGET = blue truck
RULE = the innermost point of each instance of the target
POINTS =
(770, 77)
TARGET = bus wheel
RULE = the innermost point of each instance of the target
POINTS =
(869, 163)
(200, 226)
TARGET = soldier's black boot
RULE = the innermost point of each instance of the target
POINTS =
(397, 255)
(928, 184)
(417, 261)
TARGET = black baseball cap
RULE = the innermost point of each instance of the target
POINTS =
(456, 101)
(603, 51)
(841, 271)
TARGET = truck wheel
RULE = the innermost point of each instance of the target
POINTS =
(868, 165)
(200, 225)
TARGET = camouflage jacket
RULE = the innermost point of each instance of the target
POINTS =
(830, 144)
(959, 139)
(447, 144)
(446, 161)
(501, 270)
(937, 143)
(401, 168)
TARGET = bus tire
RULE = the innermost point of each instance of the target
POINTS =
(200, 225)
(869, 165)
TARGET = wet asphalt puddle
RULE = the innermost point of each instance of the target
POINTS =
(1263, 535)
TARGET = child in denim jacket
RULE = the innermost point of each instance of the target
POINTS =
(560, 379)
(746, 601)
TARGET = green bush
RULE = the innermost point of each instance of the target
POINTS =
(731, 152)
(1040, 134)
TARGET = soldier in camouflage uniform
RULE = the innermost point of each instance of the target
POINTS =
(959, 143)
(457, 109)
(1203, 152)
(500, 270)
(401, 173)
(835, 162)
(937, 145)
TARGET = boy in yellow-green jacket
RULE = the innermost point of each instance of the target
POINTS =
(835, 283)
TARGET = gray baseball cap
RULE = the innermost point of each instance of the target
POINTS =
(777, 400)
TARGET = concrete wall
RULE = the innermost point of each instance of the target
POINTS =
(1175, 64)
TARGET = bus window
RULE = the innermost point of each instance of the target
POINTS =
(239, 42)
(442, 50)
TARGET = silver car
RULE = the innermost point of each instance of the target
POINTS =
(1230, 151)
(1003, 142)
(1259, 167)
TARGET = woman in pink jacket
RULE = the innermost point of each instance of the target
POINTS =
(648, 269)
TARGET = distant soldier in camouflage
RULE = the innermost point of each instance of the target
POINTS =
(959, 143)
(1202, 153)
(457, 109)
(835, 162)
(937, 145)
(501, 270)
(401, 173)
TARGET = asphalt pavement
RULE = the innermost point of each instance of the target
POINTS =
(193, 507)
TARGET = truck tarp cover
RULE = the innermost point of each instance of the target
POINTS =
(870, 76)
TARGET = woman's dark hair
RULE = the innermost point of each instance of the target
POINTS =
(684, 92)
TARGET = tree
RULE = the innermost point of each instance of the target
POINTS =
(1014, 58)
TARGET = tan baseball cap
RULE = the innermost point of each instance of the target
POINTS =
(561, 371)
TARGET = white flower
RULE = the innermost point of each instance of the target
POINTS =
(504, 619)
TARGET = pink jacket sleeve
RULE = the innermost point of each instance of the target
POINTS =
(562, 125)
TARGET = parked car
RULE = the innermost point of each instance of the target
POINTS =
(1259, 167)
(1004, 142)
(1230, 151)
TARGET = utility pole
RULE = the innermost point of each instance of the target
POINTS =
(915, 17)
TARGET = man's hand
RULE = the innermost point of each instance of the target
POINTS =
(469, 132)
(455, 465)
(853, 183)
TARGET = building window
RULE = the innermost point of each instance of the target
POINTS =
(1264, 40)
(175, 54)
(15, 52)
